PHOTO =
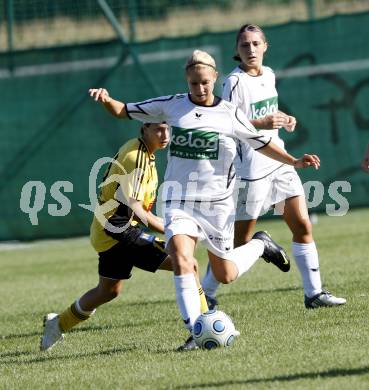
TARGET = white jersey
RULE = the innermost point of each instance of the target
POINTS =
(202, 147)
(257, 97)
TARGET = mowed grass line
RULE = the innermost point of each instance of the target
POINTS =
(130, 343)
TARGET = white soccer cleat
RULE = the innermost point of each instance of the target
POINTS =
(323, 299)
(52, 333)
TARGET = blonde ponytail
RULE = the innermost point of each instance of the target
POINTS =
(200, 58)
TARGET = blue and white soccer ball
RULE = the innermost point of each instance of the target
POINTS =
(214, 329)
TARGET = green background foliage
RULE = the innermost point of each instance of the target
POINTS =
(52, 131)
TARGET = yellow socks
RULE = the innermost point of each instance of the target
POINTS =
(73, 316)
(203, 303)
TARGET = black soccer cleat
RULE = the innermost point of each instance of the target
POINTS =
(212, 302)
(323, 299)
(189, 345)
(273, 253)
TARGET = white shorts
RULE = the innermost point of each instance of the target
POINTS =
(210, 222)
(259, 195)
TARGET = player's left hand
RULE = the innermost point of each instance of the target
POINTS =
(100, 95)
(291, 123)
(308, 160)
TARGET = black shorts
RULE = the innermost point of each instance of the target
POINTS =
(145, 252)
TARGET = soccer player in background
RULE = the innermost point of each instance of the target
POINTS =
(251, 87)
(126, 197)
(199, 180)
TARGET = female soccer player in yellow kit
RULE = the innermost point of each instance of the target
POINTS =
(127, 194)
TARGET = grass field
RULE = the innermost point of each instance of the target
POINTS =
(130, 343)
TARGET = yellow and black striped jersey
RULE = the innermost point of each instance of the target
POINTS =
(131, 174)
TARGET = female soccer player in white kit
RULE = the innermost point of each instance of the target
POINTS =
(199, 179)
(251, 87)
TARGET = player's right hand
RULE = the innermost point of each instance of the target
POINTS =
(291, 123)
(275, 121)
(308, 160)
(99, 95)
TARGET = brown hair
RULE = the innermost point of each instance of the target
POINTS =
(245, 28)
(147, 124)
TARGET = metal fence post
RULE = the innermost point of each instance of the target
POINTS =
(109, 14)
(9, 12)
(310, 4)
(132, 13)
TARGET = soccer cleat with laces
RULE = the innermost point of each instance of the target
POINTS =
(273, 253)
(52, 333)
(189, 345)
(323, 299)
(212, 302)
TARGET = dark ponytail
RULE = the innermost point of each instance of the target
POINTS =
(244, 28)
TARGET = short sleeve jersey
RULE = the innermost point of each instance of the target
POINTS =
(257, 97)
(202, 147)
(132, 173)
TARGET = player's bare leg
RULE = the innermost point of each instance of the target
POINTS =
(221, 272)
(81, 310)
(104, 292)
(243, 231)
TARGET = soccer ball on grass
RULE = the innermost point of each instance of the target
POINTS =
(214, 329)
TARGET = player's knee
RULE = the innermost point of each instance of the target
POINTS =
(114, 293)
(183, 263)
(226, 277)
(304, 229)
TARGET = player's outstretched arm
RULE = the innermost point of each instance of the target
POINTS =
(276, 153)
(115, 107)
(146, 217)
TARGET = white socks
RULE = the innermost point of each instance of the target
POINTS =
(188, 299)
(209, 283)
(244, 257)
(307, 261)
(80, 310)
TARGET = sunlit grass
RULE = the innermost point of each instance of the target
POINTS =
(130, 343)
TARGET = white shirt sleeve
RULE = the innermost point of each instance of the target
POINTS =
(271, 75)
(232, 91)
(246, 132)
(151, 110)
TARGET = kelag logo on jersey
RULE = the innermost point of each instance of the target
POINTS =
(264, 107)
(194, 144)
